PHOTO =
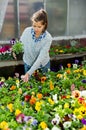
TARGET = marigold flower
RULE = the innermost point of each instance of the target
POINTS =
(32, 100)
(13, 87)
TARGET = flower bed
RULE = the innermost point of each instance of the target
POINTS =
(51, 101)
(72, 47)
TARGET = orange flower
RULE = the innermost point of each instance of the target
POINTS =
(84, 103)
(32, 100)
(12, 87)
(39, 95)
(43, 79)
(68, 71)
(81, 100)
(68, 65)
(51, 85)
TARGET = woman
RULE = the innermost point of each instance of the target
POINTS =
(37, 41)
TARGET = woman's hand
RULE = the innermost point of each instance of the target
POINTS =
(25, 77)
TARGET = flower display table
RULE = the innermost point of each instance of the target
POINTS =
(11, 63)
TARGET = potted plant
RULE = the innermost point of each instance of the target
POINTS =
(17, 49)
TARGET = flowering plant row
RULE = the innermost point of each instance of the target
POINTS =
(17, 47)
(73, 47)
(50, 101)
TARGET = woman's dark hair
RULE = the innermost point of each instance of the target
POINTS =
(40, 15)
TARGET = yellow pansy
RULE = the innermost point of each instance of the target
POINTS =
(51, 85)
(84, 72)
(43, 125)
(17, 112)
(10, 107)
(3, 125)
(20, 91)
(50, 101)
(66, 105)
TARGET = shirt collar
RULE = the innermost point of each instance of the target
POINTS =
(42, 36)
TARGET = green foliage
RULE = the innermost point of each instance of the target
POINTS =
(17, 47)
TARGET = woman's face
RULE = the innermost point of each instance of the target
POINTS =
(38, 28)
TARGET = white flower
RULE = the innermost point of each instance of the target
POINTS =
(75, 66)
(67, 124)
(55, 98)
(55, 128)
(56, 120)
(46, 129)
(83, 93)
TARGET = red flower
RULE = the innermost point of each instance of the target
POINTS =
(68, 46)
(63, 97)
(27, 97)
